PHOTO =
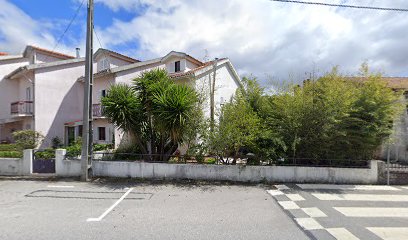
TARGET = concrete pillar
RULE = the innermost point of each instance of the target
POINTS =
(27, 167)
(59, 161)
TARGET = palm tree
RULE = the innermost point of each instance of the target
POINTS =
(154, 110)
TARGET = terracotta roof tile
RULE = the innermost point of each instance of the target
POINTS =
(3, 54)
(51, 52)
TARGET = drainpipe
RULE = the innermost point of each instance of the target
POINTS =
(212, 96)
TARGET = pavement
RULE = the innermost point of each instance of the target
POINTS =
(131, 210)
(346, 211)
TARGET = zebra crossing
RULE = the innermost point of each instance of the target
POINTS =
(343, 212)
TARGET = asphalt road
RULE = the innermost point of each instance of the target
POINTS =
(105, 210)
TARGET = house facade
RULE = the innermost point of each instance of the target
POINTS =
(43, 90)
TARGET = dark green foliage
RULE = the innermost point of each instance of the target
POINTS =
(56, 142)
(154, 110)
(11, 154)
(45, 154)
(9, 147)
(27, 139)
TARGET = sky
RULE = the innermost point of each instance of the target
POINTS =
(270, 40)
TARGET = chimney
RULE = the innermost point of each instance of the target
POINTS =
(78, 55)
(3, 54)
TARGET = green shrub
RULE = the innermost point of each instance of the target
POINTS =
(11, 154)
(45, 154)
(9, 147)
(101, 147)
(27, 139)
(56, 142)
(199, 158)
(210, 160)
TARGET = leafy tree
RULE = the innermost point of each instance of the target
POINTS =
(155, 110)
(27, 139)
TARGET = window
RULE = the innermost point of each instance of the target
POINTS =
(103, 64)
(101, 134)
(177, 66)
(80, 131)
(70, 135)
(103, 93)
(28, 94)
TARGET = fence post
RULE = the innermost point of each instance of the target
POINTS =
(59, 164)
(27, 162)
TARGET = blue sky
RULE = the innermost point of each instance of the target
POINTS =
(273, 41)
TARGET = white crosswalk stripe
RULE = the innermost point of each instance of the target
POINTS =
(334, 208)
(348, 187)
(361, 197)
(373, 212)
(389, 233)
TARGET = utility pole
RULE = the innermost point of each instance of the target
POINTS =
(212, 96)
(87, 136)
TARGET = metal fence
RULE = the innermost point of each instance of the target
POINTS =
(237, 160)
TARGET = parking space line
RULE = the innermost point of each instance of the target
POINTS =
(314, 212)
(109, 209)
(361, 197)
(288, 205)
(59, 186)
(308, 223)
(373, 212)
(295, 197)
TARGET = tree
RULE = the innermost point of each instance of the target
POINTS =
(154, 110)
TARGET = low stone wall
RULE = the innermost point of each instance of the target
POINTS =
(237, 173)
(17, 166)
(66, 168)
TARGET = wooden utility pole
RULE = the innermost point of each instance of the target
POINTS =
(87, 136)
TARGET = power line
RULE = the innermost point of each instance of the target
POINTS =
(69, 25)
(343, 5)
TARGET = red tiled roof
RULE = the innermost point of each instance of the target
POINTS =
(3, 54)
(52, 52)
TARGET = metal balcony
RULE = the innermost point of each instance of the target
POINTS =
(22, 108)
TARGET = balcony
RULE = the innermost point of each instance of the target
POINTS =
(22, 108)
(97, 110)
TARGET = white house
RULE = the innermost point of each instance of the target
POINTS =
(43, 90)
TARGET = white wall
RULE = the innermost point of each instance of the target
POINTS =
(8, 88)
(238, 173)
(58, 99)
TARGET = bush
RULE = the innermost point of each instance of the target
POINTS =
(210, 160)
(27, 139)
(56, 142)
(11, 154)
(199, 158)
(45, 154)
(9, 147)
(101, 147)
(75, 149)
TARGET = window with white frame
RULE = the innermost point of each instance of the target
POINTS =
(103, 64)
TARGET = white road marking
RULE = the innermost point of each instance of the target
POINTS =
(390, 233)
(288, 205)
(314, 212)
(109, 209)
(373, 212)
(282, 187)
(295, 197)
(348, 187)
(361, 197)
(275, 192)
(59, 186)
(341, 234)
(308, 223)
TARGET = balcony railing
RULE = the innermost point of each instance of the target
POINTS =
(21, 108)
(97, 110)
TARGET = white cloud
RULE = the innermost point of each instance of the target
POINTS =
(18, 29)
(267, 38)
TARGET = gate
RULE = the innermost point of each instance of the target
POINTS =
(397, 172)
(43, 161)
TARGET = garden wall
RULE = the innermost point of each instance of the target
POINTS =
(238, 173)
(17, 166)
